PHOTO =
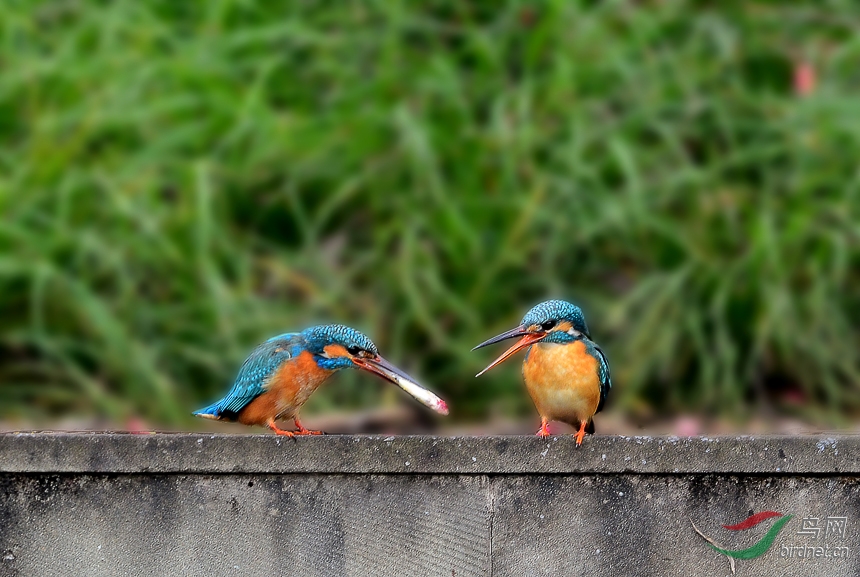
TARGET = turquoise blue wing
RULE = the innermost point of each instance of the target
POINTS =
(253, 376)
(603, 374)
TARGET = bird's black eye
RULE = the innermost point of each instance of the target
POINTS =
(353, 350)
(547, 325)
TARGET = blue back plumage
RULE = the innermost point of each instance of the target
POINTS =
(254, 374)
(602, 371)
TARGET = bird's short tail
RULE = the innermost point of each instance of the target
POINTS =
(210, 412)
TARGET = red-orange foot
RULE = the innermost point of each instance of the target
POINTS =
(543, 432)
(303, 431)
(274, 427)
(580, 434)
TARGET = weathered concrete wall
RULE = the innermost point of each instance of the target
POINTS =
(194, 505)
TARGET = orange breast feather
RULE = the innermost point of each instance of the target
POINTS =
(563, 381)
(288, 389)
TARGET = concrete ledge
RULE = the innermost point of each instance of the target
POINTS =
(210, 453)
(101, 504)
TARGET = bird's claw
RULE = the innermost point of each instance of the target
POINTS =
(543, 432)
(580, 435)
(304, 431)
(278, 431)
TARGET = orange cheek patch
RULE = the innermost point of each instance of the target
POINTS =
(334, 351)
(564, 326)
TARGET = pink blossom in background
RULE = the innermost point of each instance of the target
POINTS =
(804, 79)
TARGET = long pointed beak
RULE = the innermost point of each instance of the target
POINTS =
(514, 332)
(381, 367)
(526, 340)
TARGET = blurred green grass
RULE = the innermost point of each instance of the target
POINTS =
(179, 181)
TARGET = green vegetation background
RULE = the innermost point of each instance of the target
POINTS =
(181, 180)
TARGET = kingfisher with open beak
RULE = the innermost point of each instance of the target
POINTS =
(565, 372)
(279, 375)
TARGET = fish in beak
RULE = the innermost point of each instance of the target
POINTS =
(528, 339)
(379, 366)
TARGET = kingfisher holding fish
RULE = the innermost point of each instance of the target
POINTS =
(565, 372)
(280, 374)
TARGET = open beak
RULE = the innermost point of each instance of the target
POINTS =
(379, 366)
(520, 331)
